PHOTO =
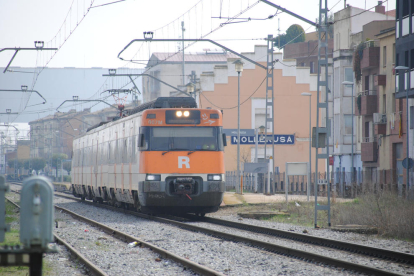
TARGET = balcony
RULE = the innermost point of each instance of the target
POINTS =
(380, 80)
(371, 55)
(369, 149)
(368, 102)
(380, 123)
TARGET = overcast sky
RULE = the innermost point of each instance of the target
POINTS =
(93, 37)
(106, 30)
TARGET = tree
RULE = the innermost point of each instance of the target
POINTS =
(294, 34)
(67, 166)
(57, 159)
(38, 163)
(11, 163)
(26, 164)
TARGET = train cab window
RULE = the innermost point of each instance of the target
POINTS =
(183, 138)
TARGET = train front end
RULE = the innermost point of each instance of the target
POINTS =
(182, 158)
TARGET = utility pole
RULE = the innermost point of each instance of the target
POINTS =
(322, 107)
(183, 30)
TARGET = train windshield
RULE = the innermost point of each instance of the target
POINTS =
(183, 138)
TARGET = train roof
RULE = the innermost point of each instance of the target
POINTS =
(160, 102)
(166, 102)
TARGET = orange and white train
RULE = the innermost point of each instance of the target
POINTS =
(166, 156)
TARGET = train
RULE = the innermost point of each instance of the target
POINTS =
(165, 156)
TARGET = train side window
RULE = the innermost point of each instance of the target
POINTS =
(133, 149)
(143, 138)
(125, 152)
(109, 152)
(116, 155)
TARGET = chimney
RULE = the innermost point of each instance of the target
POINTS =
(380, 8)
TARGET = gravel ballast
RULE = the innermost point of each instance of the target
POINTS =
(229, 258)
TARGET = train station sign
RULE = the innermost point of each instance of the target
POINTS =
(279, 139)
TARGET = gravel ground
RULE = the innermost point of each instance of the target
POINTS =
(332, 253)
(229, 258)
(368, 240)
(226, 257)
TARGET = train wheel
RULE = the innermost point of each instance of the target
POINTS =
(202, 215)
(82, 198)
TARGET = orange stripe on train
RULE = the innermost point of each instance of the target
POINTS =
(198, 162)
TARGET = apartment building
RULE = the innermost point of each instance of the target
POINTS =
(346, 121)
(404, 84)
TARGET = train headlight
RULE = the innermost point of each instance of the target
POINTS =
(214, 177)
(153, 177)
(179, 113)
(186, 113)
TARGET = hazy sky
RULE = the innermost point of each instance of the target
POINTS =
(93, 37)
(106, 30)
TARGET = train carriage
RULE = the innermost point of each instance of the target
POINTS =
(166, 156)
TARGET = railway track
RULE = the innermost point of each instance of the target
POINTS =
(125, 238)
(379, 253)
(79, 256)
(182, 222)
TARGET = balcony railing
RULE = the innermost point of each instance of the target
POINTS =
(371, 53)
(371, 43)
(370, 139)
(369, 149)
(380, 118)
(368, 103)
(368, 92)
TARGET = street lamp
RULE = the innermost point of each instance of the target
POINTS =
(352, 137)
(239, 68)
(407, 70)
(310, 142)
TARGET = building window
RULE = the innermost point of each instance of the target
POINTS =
(348, 124)
(348, 74)
(312, 67)
(337, 87)
(384, 56)
(393, 103)
(366, 84)
(405, 8)
(393, 53)
(348, 77)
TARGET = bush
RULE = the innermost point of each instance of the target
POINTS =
(392, 215)
(67, 178)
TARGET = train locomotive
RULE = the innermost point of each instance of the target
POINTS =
(166, 156)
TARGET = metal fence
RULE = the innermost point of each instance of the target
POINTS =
(343, 184)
